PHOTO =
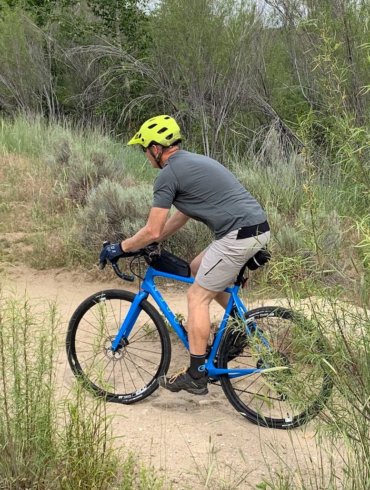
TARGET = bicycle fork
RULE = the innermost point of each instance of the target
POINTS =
(129, 321)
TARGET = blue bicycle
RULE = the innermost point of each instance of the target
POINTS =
(118, 345)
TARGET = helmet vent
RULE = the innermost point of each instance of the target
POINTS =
(162, 130)
(152, 126)
(170, 136)
(167, 117)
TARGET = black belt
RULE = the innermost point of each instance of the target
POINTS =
(254, 230)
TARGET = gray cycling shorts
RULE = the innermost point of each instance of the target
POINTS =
(224, 258)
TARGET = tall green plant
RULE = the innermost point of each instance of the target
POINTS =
(27, 404)
(343, 428)
(47, 443)
(86, 450)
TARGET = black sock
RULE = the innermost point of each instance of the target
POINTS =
(197, 369)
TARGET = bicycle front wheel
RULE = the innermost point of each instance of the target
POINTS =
(291, 387)
(130, 373)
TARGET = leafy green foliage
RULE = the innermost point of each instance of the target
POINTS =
(104, 61)
(25, 81)
(27, 407)
(124, 20)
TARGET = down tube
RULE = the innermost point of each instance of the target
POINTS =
(167, 312)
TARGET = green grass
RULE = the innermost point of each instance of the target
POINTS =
(342, 430)
(64, 190)
(48, 442)
(67, 190)
(56, 145)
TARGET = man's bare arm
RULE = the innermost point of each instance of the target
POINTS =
(151, 232)
(174, 223)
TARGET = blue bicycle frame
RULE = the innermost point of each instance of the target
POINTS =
(148, 288)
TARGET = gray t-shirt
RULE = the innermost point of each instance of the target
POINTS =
(205, 190)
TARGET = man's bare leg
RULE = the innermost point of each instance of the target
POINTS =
(194, 379)
(199, 323)
(221, 298)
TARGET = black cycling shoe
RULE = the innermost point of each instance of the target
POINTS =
(183, 381)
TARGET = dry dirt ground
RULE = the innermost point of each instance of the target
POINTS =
(194, 442)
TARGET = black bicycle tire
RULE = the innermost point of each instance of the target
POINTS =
(72, 355)
(271, 422)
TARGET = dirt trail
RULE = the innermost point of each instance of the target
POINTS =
(183, 436)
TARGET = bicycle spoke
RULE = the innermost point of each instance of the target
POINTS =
(128, 372)
(137, 366)
(123, 377)
(288, 390)
(144, 350)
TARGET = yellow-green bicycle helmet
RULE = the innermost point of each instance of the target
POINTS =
(163, 130)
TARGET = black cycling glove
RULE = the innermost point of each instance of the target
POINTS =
(111, 252)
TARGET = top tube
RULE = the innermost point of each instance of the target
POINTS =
(152, 273)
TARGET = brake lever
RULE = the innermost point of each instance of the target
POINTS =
(120, 274)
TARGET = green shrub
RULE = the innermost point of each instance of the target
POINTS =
(277, 186)
(81, 167)
(190, 240)
(114, 212)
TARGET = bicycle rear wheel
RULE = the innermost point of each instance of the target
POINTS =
(130, 373)
(294, 387)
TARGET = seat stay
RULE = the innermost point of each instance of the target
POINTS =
(251, 326)
(240, 306)
(236, 303)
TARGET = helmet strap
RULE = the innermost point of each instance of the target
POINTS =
(157, 157)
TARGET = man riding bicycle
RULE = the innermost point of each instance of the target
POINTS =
(203, 189)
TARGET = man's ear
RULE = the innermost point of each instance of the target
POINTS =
(159, 150)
